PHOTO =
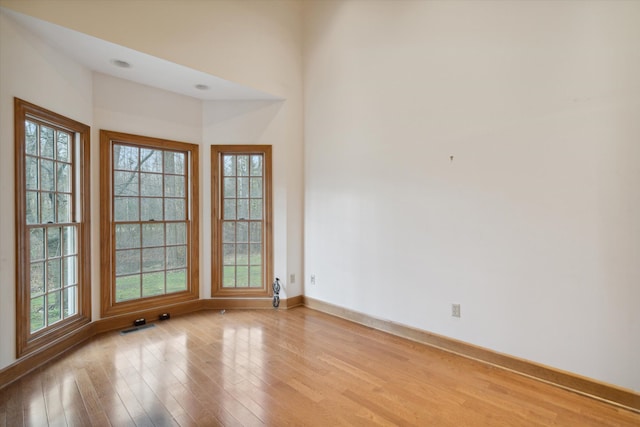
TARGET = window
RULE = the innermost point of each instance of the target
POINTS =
(149, 190)
(52, 226)
(241, 223)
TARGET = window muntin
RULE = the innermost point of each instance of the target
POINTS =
(242, 226)
(152, 188)
(53, 249)
(49, 169)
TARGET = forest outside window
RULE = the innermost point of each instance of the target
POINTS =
(241, 223)
(151, 233)
(52, 226)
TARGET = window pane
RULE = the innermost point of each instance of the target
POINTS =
(229, 232)
(243, 187)
(63, 177)
(31, 138)
(153, 284)
(176, 233)
(229, 254)
(46, 175)
(164, 211)
(125, 209)
(242, 276)
(256, 209)
(37, 313)
(127, 262)
(69, 303)
(174, 162)
(229, 211)
(176, 256)
(255, 276)
(242, 255)
(125, 183)
(243, 208)
(176, 280)
(256, 165)
(153, 259)
(255, 231)
(255, 254)
(152, 235)
(150, 184)
(32, 207)
(174, 186)
(150, 160)
(242, 232)
(127, 236)
(46, 142)
(36, 244)
(69, 271)
(256, 187)
(69, 240)
(229, 187)
(228, 276)
(54, 244)
(54, 274)
(37, 278)
(243, 165)
(31, 172)
(150, 209)
(127, 287)
(125, 157)
(229, 165)
(64, 207)
(53, 307)
(63, 153)
(47, 206)
(174, 209)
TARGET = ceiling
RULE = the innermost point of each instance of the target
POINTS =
(103, 56)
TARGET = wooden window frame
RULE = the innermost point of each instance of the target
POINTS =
(216, 221)
(109, 307)
(26, 341)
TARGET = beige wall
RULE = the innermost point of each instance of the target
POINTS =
(534, 227)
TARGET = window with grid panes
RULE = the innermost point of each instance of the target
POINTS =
(52, 196)
(151, 206)
(241, 220)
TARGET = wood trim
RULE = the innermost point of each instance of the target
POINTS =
(292, 302)
(26, 342)
(244, 303)
(216, 224)
(44, 355)
(151, 315)
(609, 393)
(107, 230)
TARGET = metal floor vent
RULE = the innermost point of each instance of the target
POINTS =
(137, 328)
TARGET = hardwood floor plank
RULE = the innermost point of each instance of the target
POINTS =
(283, 368)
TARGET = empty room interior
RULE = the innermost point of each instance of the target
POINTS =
(319, 212)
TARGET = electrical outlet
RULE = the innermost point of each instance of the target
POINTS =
(292, 278)
(455, 310)
(313, 279)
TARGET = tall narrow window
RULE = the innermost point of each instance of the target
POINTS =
(150, 228)
(52, 226)
(242, 225)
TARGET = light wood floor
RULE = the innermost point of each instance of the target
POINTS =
(296, 367)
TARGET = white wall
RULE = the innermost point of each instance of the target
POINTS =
(534, 227)
(29, 70)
